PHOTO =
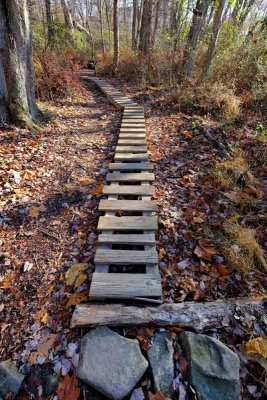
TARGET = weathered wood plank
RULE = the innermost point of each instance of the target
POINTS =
(130, 130)
(131, 157)
(127, 205)
(129, 190)
(132, 142)
(131, 149)
(126, 257)
(142, 166)
(130, 177)
(136, 223)
(124, 286)
(201, 316)
(132, 136)
(134, 239)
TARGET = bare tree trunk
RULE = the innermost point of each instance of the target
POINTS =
(99, 7)
(49, 20)
(134, 20)
(16, 67)
(156, 22)
(139, 20)
(145, 32)
(217, 23)
(116, 34)
(67, 15)
(199, 13)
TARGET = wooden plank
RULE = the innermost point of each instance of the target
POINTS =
(131, 157)
(124, 286)
(134, 239)
(128, 223)
(200, 316)
(132, 142)
(133, 121)
(130, 177)
(127, 205)
(130, 130)
(142, 166)
(135, 190)
(132, 136)
(131, 149)
(126, 257)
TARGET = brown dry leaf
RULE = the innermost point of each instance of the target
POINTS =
(80, 280)
(67, 388)
(222, 269)
(257, 346)
(157, 396)
(8, 281)
(97, 190)
(86, 181)
(144, 343)
(73, 272)
(35, 211)
(47, 344)
(205, 249)
(162, 253)
(187, 134)
(76, 298)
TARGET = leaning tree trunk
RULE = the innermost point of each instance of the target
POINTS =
(145, 31)
(16, 67)
(199, 14)
(217, 23)
(116, 34)
(67, 15)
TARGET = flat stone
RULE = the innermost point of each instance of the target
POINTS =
(10, 378)
(160, 355)
(213, 367)
(110, 363)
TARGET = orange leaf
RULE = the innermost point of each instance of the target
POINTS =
(257, 346)
(97, 190)
(67, 388)
(222, 269)
(8, 281)
(187, 134)
(76, 298)
(205, 249)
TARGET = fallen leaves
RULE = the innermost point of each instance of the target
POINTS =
(73, 273)
(8, 281)
(35, 211)
(257, 346)
(205, 249)
(68, 388)
(76, 298)
(98, 189)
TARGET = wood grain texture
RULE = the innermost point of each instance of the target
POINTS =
(136, 223)
(134, 239)
(130, 190)
(130, 177)
(126, 257)
(200, 316)
(132, 136)
(124, 286)
(127, 205)
(142, 166)
(131, 149)
(131, 157)
(132, 142)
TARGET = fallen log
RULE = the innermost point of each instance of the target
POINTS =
(199, 316)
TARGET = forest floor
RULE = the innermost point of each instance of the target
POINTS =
(51, 184)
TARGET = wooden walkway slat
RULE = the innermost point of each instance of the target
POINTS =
(129, 177)
(119, 285)
(128, 223)
(142, 166)
(127, 205)
(126, 257)
(132, 239)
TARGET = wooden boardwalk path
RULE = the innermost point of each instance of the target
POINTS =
(126, 259)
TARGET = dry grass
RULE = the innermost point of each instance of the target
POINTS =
(241, 248)
(234, 171)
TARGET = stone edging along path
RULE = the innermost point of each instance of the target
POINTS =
(126, 259)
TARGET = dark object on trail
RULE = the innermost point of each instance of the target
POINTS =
(91, 65)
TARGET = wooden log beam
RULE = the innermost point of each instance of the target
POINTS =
(199, 316)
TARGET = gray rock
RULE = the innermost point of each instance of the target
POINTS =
(111, 363)
(160, 356)
(10, 378)
(213, 367)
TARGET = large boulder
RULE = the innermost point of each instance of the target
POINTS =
(10, 379)
(160, 355)
(110, 363)
(213, 367)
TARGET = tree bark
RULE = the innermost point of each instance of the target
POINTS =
(199, 14)
(67, 15)
(116, 34)
(100, 13)
(145, 32)
(16, 70)
(156, 23)
(134, 23)
(217, 23)
(199, 316)
(49, 20)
